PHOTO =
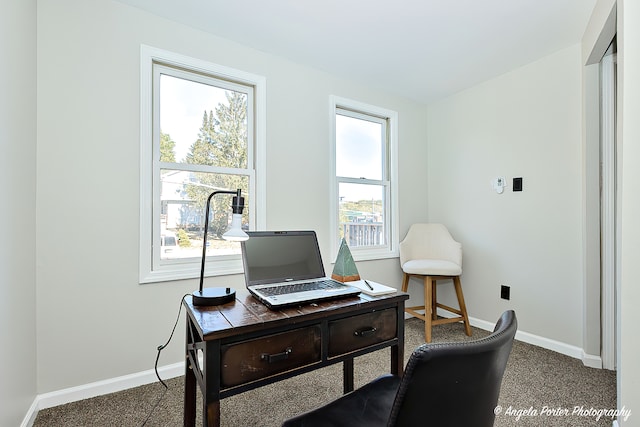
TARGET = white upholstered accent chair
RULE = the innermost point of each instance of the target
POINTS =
(429, 252)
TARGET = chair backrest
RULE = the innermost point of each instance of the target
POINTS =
(455, 384)
(430, 241)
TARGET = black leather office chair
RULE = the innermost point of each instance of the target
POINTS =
(444, 384)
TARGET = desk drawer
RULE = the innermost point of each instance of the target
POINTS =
(259, 358)
(353, 333)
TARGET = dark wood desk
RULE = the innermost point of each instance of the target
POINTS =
(242, 345)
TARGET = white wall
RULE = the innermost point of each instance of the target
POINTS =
(526, 123)
(88, 297)
(629, 70)
(89, 300)
(17, 217)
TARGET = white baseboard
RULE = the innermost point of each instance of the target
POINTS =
(99, 388)
(30, 417)
(549, 344)
(591, 361)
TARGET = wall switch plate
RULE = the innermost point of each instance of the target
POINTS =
(517, 184)
(505, 292)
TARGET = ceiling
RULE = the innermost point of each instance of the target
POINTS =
(420, 49)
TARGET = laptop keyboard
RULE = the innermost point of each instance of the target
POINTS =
(300, 287)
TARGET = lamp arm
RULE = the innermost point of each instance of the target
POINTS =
(238, 193)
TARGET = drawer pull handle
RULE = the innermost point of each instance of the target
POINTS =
(365, 332)
(271, 358)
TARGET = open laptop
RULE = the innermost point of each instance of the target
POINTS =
(284, 268)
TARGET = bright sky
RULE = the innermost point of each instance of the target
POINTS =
(182, 105)
(359, 155)
(359, 152)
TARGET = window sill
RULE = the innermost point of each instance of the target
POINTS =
(167, 273)
(372, 254)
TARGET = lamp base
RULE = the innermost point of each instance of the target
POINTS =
(213, 296)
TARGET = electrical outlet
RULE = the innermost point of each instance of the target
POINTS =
(505, 292)
(517, 184)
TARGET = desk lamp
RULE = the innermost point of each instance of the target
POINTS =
(215, 296)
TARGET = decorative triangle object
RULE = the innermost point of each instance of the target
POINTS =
(345, 269)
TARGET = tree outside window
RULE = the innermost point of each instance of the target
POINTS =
(217, 155)
(202, 130)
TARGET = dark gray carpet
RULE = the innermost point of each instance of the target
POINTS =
(539, 385)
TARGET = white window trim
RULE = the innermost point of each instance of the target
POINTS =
(216, 267)
(363, 254)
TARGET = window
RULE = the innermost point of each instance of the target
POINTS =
(201, 131)
(364, 196)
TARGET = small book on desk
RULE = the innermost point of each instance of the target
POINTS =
(378, 289)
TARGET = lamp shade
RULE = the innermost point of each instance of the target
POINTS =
(235, 232)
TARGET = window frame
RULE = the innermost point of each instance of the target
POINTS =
(151, 268)
(389, 180)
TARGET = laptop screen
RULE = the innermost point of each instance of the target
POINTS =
(281, 256)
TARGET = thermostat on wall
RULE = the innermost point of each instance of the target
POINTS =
(498, 184)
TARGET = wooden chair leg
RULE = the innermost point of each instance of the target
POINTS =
(428, 307)
(431, 303)
(463, 307)
(405, 282)
(434, 300)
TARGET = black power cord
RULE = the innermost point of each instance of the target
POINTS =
(160, 348)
